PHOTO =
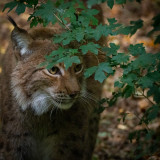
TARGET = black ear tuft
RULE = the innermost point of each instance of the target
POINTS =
(20, 38)
(12, 21)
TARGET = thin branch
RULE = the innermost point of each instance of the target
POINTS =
(62, 22)
(101, 51)
(148, 98)
(146, 126)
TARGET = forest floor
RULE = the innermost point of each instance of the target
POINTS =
(112, 141)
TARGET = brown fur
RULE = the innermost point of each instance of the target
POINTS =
(58, 134)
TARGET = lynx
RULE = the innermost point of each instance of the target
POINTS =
(46, 114)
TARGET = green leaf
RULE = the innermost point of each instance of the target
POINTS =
(46, 12)
(58, 52)
(58, 38)
(100, 109)
(101, 70)
(20, 8)
(154, 76)
(67, 40)
(101, 30)
(110, 3)
(10, 5)
(155, 92)
(68, 61)
(70, 13)
(114, 26)
(113, 100)
(121, 58)
(92, 12)
(90, 3)
(67, 37)
(127, 69)
(88, 72)
(112, 20)
(118, 84)
(129, 79)
(99, 75)
(152, 112)
(120, 1)
(128, 91)
(50, 65)
(156, 24)
(34, 22)
(157, 40)
(104, 66)
(112, 50)
(87, 16)
(92, 47)
(32, 2)
(123, 30)
(143, 61)
(145, 82)
(98, 32)
(135, 26)
(73, 51)
(79, 34)
(136, 49)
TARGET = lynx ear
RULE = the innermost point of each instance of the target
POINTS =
(20, 38)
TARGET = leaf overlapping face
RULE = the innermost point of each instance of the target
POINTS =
(100, 71)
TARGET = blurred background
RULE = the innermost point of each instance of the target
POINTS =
(112, 141)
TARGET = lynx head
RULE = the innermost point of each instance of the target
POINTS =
(36, 87)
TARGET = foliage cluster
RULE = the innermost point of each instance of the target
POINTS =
(140, 69)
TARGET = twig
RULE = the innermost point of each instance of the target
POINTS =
(62, 22)
(148, 129)
(147, 98)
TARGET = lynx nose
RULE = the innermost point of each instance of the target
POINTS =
(74, 94)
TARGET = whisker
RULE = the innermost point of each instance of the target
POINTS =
(55, 103)
(64, 98)
(89, 96)
(86, 104)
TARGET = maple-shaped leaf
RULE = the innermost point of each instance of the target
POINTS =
(46, 12)
(136, 49)
(112, 50)
(110, 3)
(10, 5)
(92, 47)
(121, 58)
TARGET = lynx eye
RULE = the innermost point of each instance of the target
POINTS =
(78, 68)
(54, 70)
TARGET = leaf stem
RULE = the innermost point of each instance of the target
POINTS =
(61, 22)
(148, 98)
(146, 126)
